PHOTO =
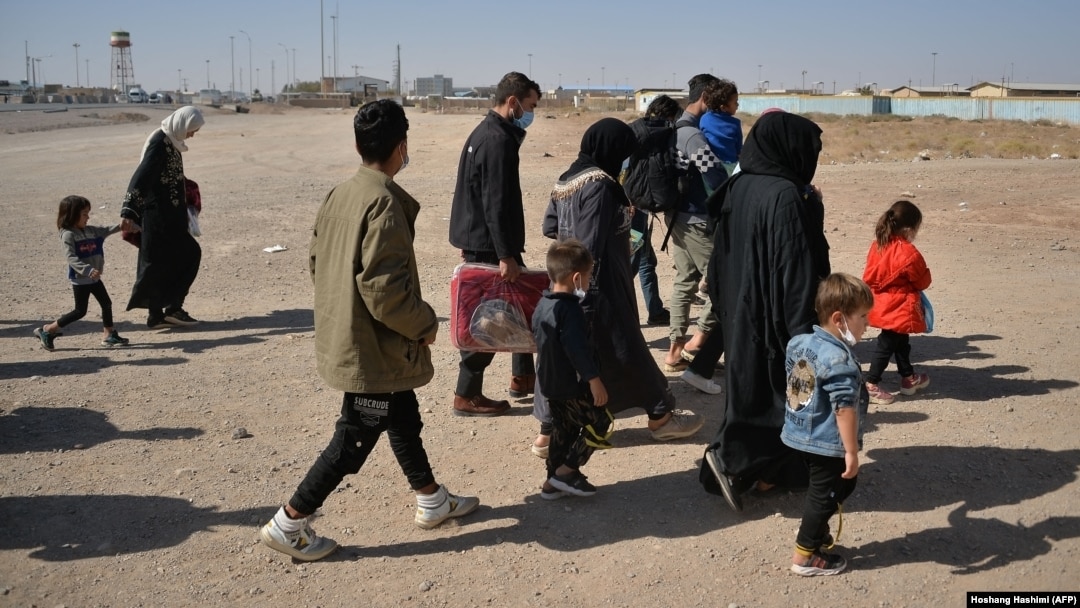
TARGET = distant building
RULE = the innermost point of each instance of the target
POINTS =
(362, 86)
(434, 85)
(944, 90)
(643, 97)
(1024, 89)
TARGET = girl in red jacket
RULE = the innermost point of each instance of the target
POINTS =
(896, 272)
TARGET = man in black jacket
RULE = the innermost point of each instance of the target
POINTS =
(487, 223)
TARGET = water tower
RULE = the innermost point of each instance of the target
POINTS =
(122, 72)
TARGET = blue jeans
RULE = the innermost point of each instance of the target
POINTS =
(645, 263)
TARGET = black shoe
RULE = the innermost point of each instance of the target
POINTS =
(727, 485)
(821, 564)
(156, 321)
(661, 318)
(573, 483)
(179, 317)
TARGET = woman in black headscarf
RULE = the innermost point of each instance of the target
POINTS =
(589, 204)
(769, 255)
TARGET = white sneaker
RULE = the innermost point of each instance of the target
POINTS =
(303, 544)
(453, 506)
(701, 383)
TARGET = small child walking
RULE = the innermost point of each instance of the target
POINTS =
(823, 418)
(896, 273)
(567, 373)
(719, 125)
(84, 247)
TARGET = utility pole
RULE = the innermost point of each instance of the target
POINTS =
(208, 73)
(249, 63)
(322, 47)
(232, 69)
(530, 65)
(933, 74)
(87, 72)
(286, 65)
(273, 82)
(179, 81)
(295, 80)
(76, 45)
(333, 47)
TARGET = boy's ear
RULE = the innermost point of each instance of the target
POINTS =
(836, 317)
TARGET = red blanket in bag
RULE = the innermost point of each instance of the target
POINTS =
(489, 314)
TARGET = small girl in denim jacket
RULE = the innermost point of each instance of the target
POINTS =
(826, 405)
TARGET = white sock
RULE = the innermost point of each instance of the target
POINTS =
(433, 500)
(286, 523)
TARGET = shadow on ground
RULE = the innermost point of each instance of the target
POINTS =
(47, 429)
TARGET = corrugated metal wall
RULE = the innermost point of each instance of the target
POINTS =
(1028, 109)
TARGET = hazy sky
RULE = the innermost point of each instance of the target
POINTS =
(572, 43)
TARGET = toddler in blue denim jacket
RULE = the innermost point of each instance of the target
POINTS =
(826, 404)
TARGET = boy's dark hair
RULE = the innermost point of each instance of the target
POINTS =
(717, 94)
(843, 292)
(903, 215)
(516, 84)
(379, 127)
(71, 207)
(663, 107)
(564, 258)
(697, 86)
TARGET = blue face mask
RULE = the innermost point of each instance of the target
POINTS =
(525, 120)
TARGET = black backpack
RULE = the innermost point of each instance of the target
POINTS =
(651, 180)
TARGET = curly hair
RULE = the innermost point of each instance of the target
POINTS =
(717, 94)
(663, 107)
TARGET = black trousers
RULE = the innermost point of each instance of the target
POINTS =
(569, 417)
(471, 369)
(82, 303)
(827, 491)
(363, 420)
(890, 344)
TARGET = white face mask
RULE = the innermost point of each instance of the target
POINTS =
(404, 160)
(845, 333)
(579, 292)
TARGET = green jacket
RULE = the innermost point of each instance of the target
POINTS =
(369, 313)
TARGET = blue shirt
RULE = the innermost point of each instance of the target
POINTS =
(724, 134)
(823, 376)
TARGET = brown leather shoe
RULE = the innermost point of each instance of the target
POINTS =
(479, 406)
(522, 386)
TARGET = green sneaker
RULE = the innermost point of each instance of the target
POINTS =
(114, 339)
(45, 337)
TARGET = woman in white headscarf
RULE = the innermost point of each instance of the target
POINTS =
(156, 203)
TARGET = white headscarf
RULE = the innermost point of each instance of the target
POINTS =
(177, 125)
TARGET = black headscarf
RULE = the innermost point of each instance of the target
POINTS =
(605, 145)
(782, 145)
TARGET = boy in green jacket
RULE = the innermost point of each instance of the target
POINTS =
(373, 332)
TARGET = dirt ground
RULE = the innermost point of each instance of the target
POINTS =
(121, 483)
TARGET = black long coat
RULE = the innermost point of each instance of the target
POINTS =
(769, 255)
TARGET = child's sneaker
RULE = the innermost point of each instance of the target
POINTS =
(552, 494)
(909, 385)
(303, 544)
(45, 337)
(453, 506)
(114, 339)
(821, 564)
(879, 395)
(573, 483)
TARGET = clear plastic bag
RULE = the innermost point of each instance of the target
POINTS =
(928, 312)
(193, 222)
(489, 314)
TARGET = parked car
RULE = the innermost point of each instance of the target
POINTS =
(137, 95)
(157, 98)
(209, 97)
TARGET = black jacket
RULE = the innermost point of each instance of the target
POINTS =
(487, 213)
(564, 354)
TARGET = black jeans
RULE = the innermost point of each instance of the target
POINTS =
(363, 420)
(827, 491)
(82, 303)
(569, 417)
(890, 344)
(471, 370)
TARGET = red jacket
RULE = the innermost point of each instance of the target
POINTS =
(896, 275)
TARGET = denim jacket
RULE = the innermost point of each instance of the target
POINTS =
(823, 376)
